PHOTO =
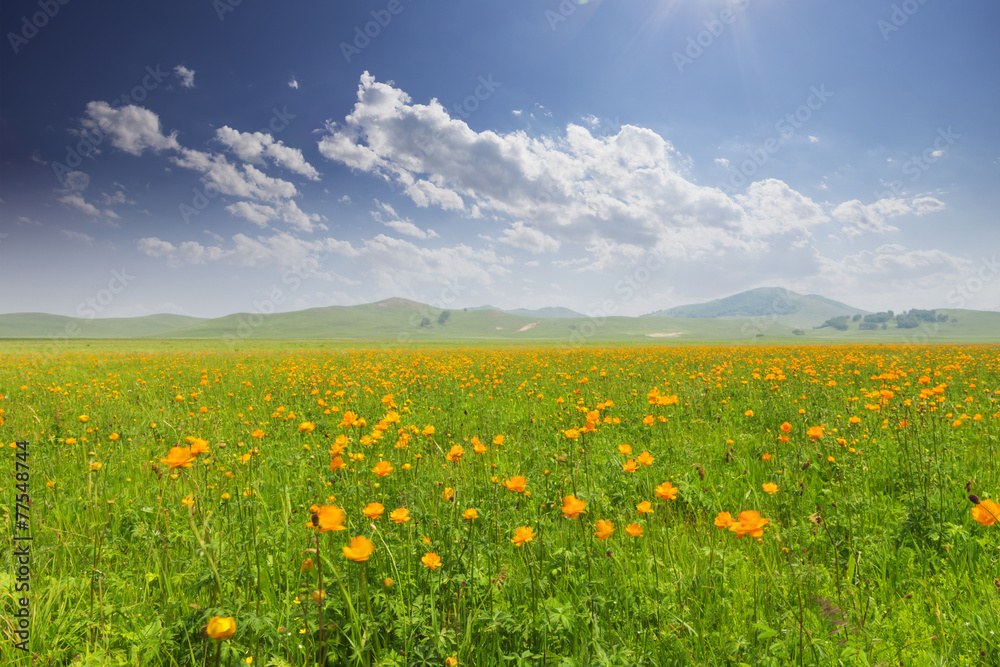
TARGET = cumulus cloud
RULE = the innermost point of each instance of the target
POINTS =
(185, 75)
(85, 239)
(387, 215)
(872, 218)
(255, 146)
(521, 236)
(131, 129)
(618, 194)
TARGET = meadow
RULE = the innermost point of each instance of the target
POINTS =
(644, 505)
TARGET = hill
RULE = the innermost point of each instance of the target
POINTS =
(774, 303)
(42, 325)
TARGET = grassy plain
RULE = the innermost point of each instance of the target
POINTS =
(861, 458)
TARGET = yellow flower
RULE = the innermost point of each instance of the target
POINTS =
(522, 535)
(451, 661)
(630, 466)
(400, 515)
(382, 468)
(455, 454)
(498, 440)
(470, 514)
(307, 565)
(307, 427)
(645, 507)
(388, 582)
(179, 457)
(666, 491)
(645, 459)
(625, 449)
(986, 512)
(770, 487)
(448, 494)
(83, 419)
(188, 500)
(373, 511)
(359, 550)
(428, 430)
(221, 627)
(634, 529)
(431, 560)
(603, 529)
(516, 484)
(95, 466)
(328, 517)
(573, 507)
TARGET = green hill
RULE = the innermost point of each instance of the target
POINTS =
(766, 302)
(42, 325)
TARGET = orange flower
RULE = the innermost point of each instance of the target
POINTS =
(724, 520)
(179, 457)
(336, 463)
(634, 530)
(786, 427)
(498, 440)
(373, 510)
(448, 494)
(307, 427)
(382, 468)
(451, 661)
(645, 507)
(666, 491)
(748, 413)
(749, 522)
(428, 430)
(359, 550)
(645, 459)
(573, 507)
(198, 446)
(571, 434)
(431, 560)
(516, 484)
(625, 449)
(770, 487)
(221, 627)
(307, 565)
(455, 454)
(522, 535)
(766, 457)
(477, 446)
(400, 515)
(815, 432)
(986, 512)
(257, 434)
(470, 514)
(630, 466)
(328, 517)
(604, 529)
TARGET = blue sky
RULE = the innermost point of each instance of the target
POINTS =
(611, 157)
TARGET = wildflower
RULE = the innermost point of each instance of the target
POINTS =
(666, 491)
(477, 446)
(815, 432)
(225, 496)
(198, 446)
(179, 457)
(400, 515)
(724, 520)
(455, 454)
(113, 437)
(571, 434)
(188, 500)
(448, 494)
(645, 507)
(766, 457)
(645, 459)
(95, 466)
(382, 468)
(307, 565)
(257, 434)
(388, 582)
(786, 428)
(634, 530)
(748, 413)
(451, 661)
(83, 419)
(573, 507)
(307, 427)
(328, 517)
(986, 512)
(630, 466)
(522, 535)
(431, 560)
(749, 522)
(604, 529)
(359, 550)
(373, 511)
(221, 627)
(317, 596)
(428, 430)
(625, 449)
(770, 487)
(516, 484)
(498, 440)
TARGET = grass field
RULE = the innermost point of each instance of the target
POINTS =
(641, 505)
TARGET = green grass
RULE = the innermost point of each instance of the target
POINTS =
(870, 556)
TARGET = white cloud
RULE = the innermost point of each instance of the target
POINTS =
(293, 83)
(258, 214)
(255, 146)
(185, 75)
(521, 236)
(131, 129)
(861, 218)
(774, 208)
(188, 252)
(387, 215)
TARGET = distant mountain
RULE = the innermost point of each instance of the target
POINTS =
(771, 302)
(42, 325)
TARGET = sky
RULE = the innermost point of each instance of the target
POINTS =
(208, 157)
